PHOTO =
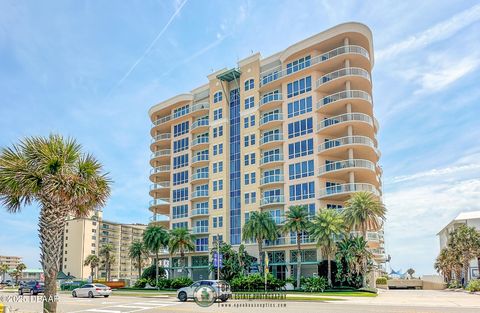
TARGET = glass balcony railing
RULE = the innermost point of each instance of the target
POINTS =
(160, 201)
(348, 188)
(271, 138)
(161, 153)
(272, 200)
(350, 71)
(159, 185)
(276, 73)
(271, 158)
(159, 137)
(342, 95)
(360, 117)
(162, 120)
(347, 140)
(200, 158)
(199, 229)
(196, 212)
(270, 98)
(271, 179)
(347, 164)
(200, 123)
(200, 175)
(199, 194)
(160, 169)
(199, 140)
(271, 118)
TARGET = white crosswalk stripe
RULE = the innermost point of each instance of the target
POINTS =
(133, 307)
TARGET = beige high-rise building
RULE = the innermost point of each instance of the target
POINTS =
(85, 236)
(294, 128)
(11, 261)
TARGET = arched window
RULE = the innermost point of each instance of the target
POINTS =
(249, 84)
(217, 97)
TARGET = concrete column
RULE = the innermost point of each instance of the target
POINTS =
(350, 154)
(351, 177)
(349, 108)
(347, 63)
(350, 130)
(346, 42)
(347, 85)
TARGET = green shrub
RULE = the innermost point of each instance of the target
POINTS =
(255, 282)
(141, 283)
(314, 284)
(454, 285)
(473, 285)
(381, 281)
(180, 282)
(150, 272)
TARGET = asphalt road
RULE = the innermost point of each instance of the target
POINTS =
(385, 304)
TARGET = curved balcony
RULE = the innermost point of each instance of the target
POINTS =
(331, 59)
(343, 191)
(271, 120)
(200, 143)
(199, 230)
(161, 188)
(272, 200)
(160, 206)
(160, 171)
(199, 177)
(365, 148)
(271, 140)
(335, 104)
(160, 155)
(161, 140)
(154, 220)
(271, 180)
(335, 126)
(271, 160)
(200, 159)
(200, 126)
(198, 109)
(359, 78)
(270, 101)
(162, 124)
(199, 212)
(364, 170)
(198, 194)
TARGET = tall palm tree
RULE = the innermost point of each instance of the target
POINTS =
(54, 173)
(465, 242)
(3, 270)
(364, 211)
(93, 261)
(326, 226)
(18, 271)
(448, 263)
(154, 239)
(137, 252)
(107, 258)
(297, 221)
(181, 240)
(242, 253)
(259, 227)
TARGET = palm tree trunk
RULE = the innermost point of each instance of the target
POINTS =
(299, 259)
(156, 269)
(182, 255)
(91, 272)
(465, 273)
(329, 273)
(139, 266)
(364, 259)
(260, 255)
(51, 226)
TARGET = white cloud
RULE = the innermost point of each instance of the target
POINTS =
(440, 31)
(437, 172)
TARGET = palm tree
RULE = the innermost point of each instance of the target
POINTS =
(107, 258)
(242, 253)
(447, 264)
(181, 240)
(297, 221)
(364, 211)
(326, 226)
(93, 261)
(259, 227)
(410, 272)
(465, 242)
(18, 271)
(137, 252)
(54, 173)
(3, 270)
(154, 239)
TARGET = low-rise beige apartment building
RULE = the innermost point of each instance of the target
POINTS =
(11, 261)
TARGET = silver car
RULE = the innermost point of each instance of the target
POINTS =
(222, 290)
(92, 290)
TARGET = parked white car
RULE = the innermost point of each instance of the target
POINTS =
(222, 290)
(92, 290)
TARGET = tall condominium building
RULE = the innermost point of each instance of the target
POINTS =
(85, 236)
(294, 128)
(11, 261)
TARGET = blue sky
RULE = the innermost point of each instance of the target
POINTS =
(91, 69)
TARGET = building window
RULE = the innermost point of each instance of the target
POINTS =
(249, 103)
(302, 191)
(201, 244)
(180, 225)
(217, 114)
(249, 84)
(181, 111)
(300, 128)
(299, 87)
(218, 149)
(250, 178)
(180, 194)
(180, 211)
(218, 185)
(217, 131)
(180, 178)
(217, 97)
(180, 129)
(218, 203)
(301, 148)
(180, 161)
(180, 145)
(298, 65)
(300, 106)
(249, 159)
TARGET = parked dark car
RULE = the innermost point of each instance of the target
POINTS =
(32, 287)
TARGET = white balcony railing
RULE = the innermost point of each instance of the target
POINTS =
(271, 118)
(270, 98)
(160, 201)
(197, 212)
(199, 229)
(270, 179)
(347, 117)
(347, 140)
(346, 164)
(159, 137)
(271, 138)
(271, 158)
(272, 200)
(199, 140)
(349, 71)
(200, 175)
(199, 194)
(200, 158)
(160, 169)
(159, 185)
(342, 95)
(348, 188)
(161, 153)
(200, 123)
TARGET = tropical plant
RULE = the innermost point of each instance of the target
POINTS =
(448, 263)
(364, 211)
(231, 265)
(473, 285)
(180, 282)
(325, 228)
(465, 242)
(350, 256)
(150, 273)
(154, 239)
(93, 261)
(255, 282)
(381, 281)
(181, 241)
(314, 284)
(137, 252)
(259, 227)
(3, 270)
(410, 272)
(107, 258)
(54, 173)
(297, 221)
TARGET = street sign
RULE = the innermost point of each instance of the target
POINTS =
(217, 259)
